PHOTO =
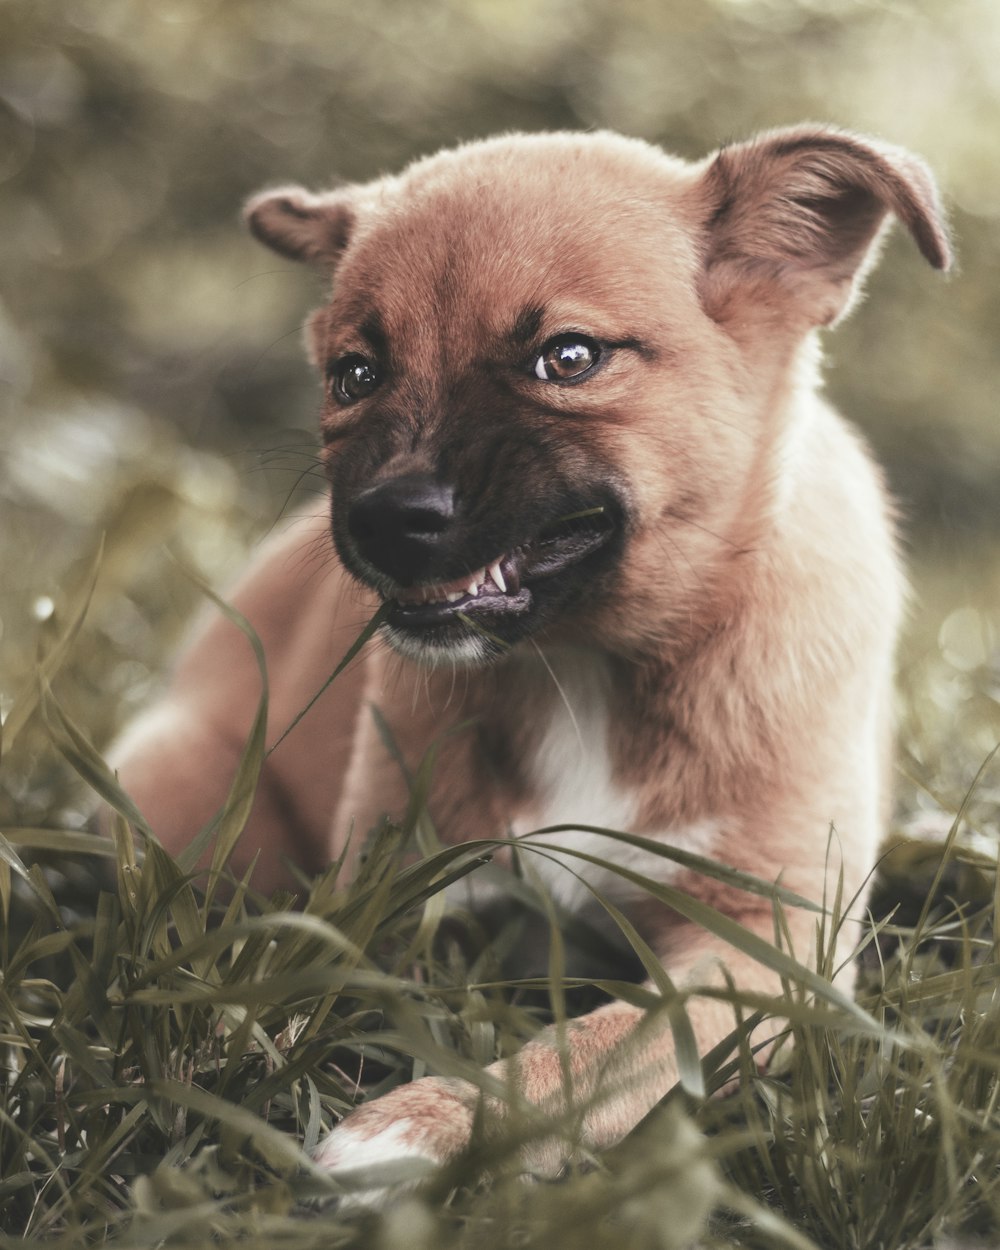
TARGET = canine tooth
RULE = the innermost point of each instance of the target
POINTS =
(494, 572)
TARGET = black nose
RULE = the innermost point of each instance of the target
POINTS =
(400, 526)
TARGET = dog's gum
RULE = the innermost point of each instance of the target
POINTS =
(471, 584)
(511, 574)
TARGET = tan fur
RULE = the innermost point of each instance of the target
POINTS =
(734, 666)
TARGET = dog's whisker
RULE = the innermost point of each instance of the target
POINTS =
(298, 330)
(738, 548)
(714, 419)
(295, 491)
(452, 684)
(315, 556)
(562, 695)
(665, 549)
(288, 461)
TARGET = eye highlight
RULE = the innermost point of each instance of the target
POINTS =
(566, 357)
(353, 377)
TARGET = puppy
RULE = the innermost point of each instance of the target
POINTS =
(576, 451)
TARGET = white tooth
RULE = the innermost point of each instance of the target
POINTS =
(494, 572)
(453, 596)
(475, 581)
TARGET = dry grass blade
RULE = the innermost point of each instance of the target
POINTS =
(53, 652)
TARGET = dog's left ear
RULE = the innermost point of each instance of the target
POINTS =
(301, 225)
(791, 219)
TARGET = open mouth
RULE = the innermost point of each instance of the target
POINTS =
(504, 586)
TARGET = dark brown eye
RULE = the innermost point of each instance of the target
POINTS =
(352, 378)
(566, 356)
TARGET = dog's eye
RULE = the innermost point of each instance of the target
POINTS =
(352, 378)
(566, 356)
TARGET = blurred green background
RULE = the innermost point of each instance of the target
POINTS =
(151, 374)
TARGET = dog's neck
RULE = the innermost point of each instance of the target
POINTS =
(789, 400)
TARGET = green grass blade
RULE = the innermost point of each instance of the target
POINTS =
(368, 632)
(744, 881)
(731, 932)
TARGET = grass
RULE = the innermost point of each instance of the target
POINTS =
(172, 1050)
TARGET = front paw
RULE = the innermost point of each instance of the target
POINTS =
(386, 1147)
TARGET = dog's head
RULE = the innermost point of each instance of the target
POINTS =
(559, 367)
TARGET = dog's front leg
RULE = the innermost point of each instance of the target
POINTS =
(585, 1083)
(432, 1119)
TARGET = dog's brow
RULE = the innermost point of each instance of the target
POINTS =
(527, 325)
(374, 331)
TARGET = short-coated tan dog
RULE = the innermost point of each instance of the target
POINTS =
(576, 450)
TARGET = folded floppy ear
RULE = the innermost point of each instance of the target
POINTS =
(303, 226)
(791, 219)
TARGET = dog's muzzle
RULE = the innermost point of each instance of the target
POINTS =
(420, 554)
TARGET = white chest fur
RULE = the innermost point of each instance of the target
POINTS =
(575, 785)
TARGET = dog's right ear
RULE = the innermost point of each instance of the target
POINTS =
(793, 220)
(300, 225)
